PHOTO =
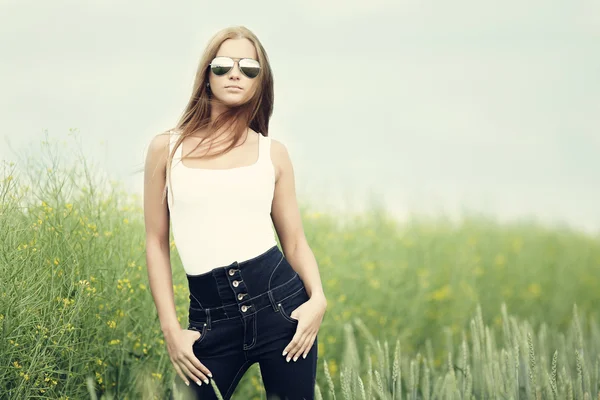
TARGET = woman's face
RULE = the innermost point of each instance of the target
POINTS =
(235, 49)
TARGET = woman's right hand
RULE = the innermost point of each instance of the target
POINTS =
(180, 347)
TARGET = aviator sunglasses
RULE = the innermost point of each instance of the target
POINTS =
(222, 65)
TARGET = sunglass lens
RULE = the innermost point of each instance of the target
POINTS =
(221, 65)
(250, 68)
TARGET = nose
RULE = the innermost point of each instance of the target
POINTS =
(235, 71)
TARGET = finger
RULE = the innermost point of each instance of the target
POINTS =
(301, 346)
(291, 345)
(294, 352)
(181, 374)
(294, 345)
(311, 343)
(191, 376)
(195, 331)
(196, 374)
(198, 365)
(307, 345)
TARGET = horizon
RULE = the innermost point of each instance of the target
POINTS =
(460, 105)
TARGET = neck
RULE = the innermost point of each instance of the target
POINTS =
(216, 109)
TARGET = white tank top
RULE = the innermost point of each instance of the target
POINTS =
(219, 216)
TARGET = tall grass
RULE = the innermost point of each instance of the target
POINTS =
(521, 364)
(77, 319)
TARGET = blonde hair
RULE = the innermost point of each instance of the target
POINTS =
(254, 113)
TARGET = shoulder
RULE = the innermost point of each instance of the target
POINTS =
(160, 142)
(278, 149)
(281, 158)
(158, 148)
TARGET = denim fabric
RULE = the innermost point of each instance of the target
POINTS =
(242, 311)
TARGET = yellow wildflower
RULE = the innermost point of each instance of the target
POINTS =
(320, 349)
(332, 367)
(442, 293)
(500, 260)
(535, 289)
(374, 283)
(157, 375)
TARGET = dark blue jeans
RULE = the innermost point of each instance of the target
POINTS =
(242, 311)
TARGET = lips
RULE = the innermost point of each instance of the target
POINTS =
(233, 86)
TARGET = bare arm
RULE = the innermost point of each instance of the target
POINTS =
(158, 259)
(288, 224)
(156, 217)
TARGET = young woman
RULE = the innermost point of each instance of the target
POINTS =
(249, 301)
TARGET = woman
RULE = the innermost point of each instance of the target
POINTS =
(248, 302)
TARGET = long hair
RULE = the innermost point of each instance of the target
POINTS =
(254, 113)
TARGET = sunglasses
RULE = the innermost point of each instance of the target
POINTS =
(222, 65)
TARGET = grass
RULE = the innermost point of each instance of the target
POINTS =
(417, 310)
(523, 364)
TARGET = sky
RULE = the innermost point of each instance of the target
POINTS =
(427, 106)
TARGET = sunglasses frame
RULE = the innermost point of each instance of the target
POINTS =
(235, 60)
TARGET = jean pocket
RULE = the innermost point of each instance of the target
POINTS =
(198, 328)
(288, 304)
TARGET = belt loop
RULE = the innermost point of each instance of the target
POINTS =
(208, 319)
(272, 300)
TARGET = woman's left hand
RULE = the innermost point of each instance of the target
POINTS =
(309, 316)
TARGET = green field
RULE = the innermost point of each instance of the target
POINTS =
(424, 309)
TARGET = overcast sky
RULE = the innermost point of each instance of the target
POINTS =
(434, 106)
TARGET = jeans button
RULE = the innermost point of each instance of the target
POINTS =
(244, 308)
(235, 283)
(241, 296)
(231, 272)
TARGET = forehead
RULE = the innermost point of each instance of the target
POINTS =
(237, 48)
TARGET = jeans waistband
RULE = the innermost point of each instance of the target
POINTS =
(242, 288)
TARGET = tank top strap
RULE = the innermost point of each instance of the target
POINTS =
(172, 140)
(264, 145)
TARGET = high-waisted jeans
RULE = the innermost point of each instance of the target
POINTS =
(242, 311)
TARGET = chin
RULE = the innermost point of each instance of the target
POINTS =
(233, 103)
